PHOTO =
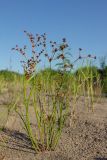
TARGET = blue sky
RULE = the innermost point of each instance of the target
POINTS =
(82, 22)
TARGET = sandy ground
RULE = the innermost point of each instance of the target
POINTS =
(86, 140)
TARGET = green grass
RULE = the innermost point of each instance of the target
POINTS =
(9, 75)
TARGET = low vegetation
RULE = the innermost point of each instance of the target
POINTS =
(51, 91)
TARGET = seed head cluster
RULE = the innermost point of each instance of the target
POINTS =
(39, 48)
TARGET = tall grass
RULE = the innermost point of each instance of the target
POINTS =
(49, 92)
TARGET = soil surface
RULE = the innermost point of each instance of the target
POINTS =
(86, 139)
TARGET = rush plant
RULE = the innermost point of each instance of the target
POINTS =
(44, 92)
(47, 92)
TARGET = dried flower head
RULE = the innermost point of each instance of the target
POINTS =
(63, 46)
(61, 56)
(64, 40)
(80, 49)
(89, 55)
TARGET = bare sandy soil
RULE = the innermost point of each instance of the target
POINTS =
(84, 140)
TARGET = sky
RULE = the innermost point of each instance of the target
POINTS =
(82, 22)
